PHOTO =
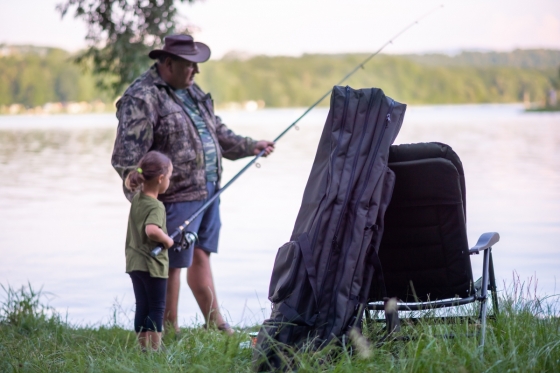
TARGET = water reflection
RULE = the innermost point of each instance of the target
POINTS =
(64, 217)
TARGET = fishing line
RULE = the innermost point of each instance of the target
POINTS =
(203, 208)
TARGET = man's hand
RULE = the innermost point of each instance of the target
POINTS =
(267, 146)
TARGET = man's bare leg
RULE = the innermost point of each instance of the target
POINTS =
(172, 299)
(199, 279)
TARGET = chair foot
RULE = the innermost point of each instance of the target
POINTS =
(392, 316)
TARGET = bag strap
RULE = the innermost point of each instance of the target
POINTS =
(307, 256)
(378, 273)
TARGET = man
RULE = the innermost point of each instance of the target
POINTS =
(165, 110)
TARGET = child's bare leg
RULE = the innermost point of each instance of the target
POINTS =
(154, 338)
(143, 340)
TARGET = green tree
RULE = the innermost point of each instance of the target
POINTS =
(120, 35)
(33, 76)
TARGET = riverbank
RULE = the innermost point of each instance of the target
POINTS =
(99, 107)
(544, 109)
(525, 337)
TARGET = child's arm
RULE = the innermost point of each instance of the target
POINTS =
(155, 233)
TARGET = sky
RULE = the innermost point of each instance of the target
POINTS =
(294, 27)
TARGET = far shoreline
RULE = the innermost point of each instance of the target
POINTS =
(240, 109)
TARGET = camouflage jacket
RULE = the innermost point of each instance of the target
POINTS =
(151, 117)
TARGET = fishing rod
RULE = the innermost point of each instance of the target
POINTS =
(189, 237)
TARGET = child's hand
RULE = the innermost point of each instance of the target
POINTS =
(169, 242)
(155, 233)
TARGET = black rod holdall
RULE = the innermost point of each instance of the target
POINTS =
(321, 277)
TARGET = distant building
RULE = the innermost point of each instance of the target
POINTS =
(552, 98)
(14, 50)
(526, 100)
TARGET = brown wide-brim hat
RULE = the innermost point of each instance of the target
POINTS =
(183, 46)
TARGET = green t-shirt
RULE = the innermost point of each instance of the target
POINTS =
(145, 210)
(208, 145)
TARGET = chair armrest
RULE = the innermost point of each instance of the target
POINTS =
(485, 241)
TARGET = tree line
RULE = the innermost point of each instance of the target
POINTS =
(299, 81)
(33, 76)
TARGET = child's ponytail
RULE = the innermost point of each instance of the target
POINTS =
(152, 165)
(134, 179)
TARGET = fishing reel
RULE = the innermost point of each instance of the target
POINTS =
(188, 239)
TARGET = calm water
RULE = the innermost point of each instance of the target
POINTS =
(63, 215)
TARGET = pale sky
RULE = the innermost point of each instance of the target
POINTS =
(293, 27)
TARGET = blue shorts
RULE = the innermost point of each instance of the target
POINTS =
(206, 226)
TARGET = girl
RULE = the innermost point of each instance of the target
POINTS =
(146, 230)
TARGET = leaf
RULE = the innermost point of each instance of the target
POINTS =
(120, 33)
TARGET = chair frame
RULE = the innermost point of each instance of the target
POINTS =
(484, 244)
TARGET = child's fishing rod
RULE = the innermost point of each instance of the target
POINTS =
(203, 208)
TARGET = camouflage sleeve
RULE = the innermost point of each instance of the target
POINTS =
(134, 136)
(233, 146)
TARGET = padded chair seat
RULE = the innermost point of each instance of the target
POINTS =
(424, 250)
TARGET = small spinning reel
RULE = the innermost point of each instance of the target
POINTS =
(188, 239)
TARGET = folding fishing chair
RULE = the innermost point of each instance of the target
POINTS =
(424, 257)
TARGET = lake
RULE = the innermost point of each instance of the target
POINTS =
(63, 215)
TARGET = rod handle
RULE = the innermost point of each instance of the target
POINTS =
(155, 252)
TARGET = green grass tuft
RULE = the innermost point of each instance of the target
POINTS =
(525, 337)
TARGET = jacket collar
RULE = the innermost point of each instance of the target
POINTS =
(154, 74)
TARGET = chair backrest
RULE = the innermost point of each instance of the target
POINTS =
(424, 251)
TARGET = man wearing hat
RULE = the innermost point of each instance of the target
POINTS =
(165, 110)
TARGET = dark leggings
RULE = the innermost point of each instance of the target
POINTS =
(150, 301)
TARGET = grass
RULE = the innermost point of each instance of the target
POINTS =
(525, 337)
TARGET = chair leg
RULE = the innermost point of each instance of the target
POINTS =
(483, 307)
(493, 287)
(367, 315)
(484, 295)
(392, 316)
